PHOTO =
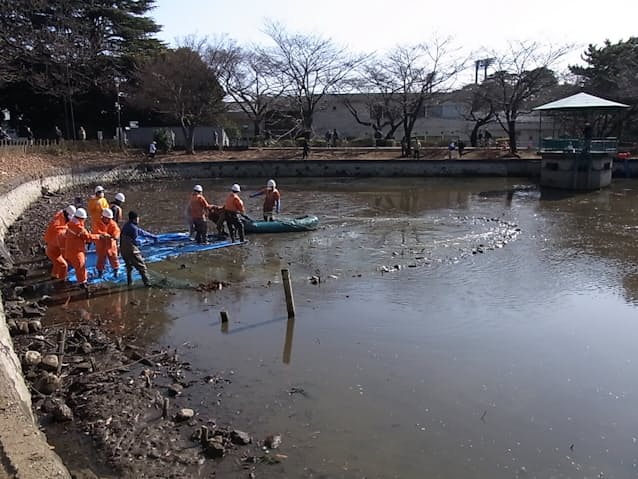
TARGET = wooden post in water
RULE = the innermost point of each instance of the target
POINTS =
(224, 316)
(290, 302)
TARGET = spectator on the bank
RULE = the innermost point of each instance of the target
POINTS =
(480, 138)
(488, 138)
(588, 133)
(417, 149)
(460, 144)
(30, 136)
(58, 134)
(152, 149)
(335, 137)
(404, 147)
(328, 138)
(306, 149)
(450, 149)
(82, 134)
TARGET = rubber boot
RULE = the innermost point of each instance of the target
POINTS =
(129, 278)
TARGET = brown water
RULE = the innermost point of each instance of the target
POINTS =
(489, 354)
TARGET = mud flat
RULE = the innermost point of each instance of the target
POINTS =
(83, 381)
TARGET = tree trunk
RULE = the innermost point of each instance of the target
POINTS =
(474, 135)
(189, 138)
(256, 127)
(511, 126)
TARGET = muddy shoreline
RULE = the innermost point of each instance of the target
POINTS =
(87, 381)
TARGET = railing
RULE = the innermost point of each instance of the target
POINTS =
(598, 145)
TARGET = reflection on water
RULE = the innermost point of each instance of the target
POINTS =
(439, 343)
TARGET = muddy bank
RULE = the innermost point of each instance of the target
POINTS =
(88, 382)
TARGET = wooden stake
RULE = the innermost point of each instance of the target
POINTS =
(61, 347)
(290, 302)
(165, 408)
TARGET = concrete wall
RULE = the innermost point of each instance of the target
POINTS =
(344, 168)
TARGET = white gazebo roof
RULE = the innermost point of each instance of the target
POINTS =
(581, 101)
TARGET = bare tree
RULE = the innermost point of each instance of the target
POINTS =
(312, 67)
(248, 77)
(479, 100)
(381, 110)
(412, 75)
(180, 84)
(523, 75)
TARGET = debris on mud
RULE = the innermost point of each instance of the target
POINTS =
(115, 393)
(213, 285)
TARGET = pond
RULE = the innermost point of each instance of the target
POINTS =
(453, 328)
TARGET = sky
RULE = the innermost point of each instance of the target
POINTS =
(376, 26)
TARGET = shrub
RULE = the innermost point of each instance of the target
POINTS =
(164, 139)
(362, 142)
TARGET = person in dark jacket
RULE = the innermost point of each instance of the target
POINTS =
(131, 254)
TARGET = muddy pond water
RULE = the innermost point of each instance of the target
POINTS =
(460, 328)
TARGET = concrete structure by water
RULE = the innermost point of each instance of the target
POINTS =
(578, 163)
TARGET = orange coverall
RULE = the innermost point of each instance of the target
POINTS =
(95, 206)
(107, 247)
(54, 239)
(75, 246)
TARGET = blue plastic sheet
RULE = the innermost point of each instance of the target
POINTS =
(168, 245)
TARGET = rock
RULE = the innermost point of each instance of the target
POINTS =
(32, 358)
(240, 437)
(13, 327)
(273, 441)
(84, 474)
(62, 413)
(214, 448)
(35, 326)
(184, 414)
(50, 361)
(23, 327)
(47, 383)
(32, 310)
(175, 389)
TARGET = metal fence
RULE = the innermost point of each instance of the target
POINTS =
(24, 145)
(598, 145)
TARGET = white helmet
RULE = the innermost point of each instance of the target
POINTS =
(235, 188)
(99, 189)
(80, 213)
(120, 197)
(70, 210)
(107, 213)
(271, 184)
(198, 188)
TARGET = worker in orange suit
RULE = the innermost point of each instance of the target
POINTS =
(54, 239)
(107, 247)
(96, 204)
(75, 245)
(198, 209)
(233, 207)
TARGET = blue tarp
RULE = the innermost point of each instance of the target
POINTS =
(168, 245)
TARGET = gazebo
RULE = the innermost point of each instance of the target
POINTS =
(580, 163)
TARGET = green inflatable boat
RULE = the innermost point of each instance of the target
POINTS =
(303, 223)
